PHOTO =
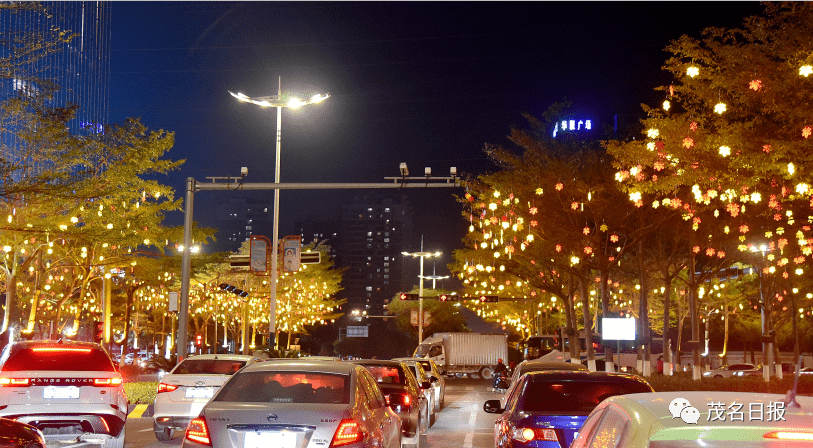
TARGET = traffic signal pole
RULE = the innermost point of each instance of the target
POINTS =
(236, 183)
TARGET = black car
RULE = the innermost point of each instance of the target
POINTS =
(395, 379)
(14, 434)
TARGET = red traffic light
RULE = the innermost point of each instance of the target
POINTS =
(407, 296)
(198, 340)
(484, 299)
(447, 298)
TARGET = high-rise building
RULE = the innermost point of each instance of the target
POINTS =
(81, 69)
(238, 218)
(373, 230)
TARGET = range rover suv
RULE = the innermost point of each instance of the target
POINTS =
(70, 391)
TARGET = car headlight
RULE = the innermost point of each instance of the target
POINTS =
(739, 373)
(706, 373)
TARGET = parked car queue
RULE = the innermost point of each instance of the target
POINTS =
(272, 401)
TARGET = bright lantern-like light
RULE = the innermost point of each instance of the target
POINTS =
(725, 151)
(803, 188)
(295, 102)
(635, 196)
(692, 71)
(720, 108)
(666, 105)
(791, 168)
(652, 133)
(805, 70)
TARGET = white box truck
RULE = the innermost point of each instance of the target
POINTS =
(473, 354)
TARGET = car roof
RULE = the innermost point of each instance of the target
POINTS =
(376, 362)
(582, 376)
(226, 356)
(345, 368)
(56, 343)
(551, 365)
(655, 408)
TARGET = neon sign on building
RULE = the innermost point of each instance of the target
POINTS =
(572, 125)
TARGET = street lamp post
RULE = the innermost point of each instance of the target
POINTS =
(422, 255)
(279, 101)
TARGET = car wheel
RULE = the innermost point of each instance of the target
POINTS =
(460, 375)
(162, 433)
(414, 441)
(487, 373)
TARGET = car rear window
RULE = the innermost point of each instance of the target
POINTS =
(286, 387)
(387, 374)
(191, 366)
(426, 366)
(573, 397)
(66, 358)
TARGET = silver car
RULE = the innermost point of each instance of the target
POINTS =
(186, 388)
(734, 370)
(423, 378)
(312, 404)
(435, 377)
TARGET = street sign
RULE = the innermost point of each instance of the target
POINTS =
(357, 331)
(310, 257)
(291, 248)
(173, 301)
(413, 318)
(258, 253)
(239, 261)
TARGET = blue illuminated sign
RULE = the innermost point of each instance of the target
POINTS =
(572, 125)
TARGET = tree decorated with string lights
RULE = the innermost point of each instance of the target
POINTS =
(550, 220)
(730, 146)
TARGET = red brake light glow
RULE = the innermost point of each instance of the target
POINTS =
(789, 435)
(406, 399)
(164, 387)
(528, 434)
(197, 431)
(61, 349)
(14, 382)
(107, 381)
(348, 432)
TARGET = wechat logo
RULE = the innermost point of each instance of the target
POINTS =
(680, 407)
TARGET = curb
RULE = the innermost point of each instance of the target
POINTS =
(139, 410)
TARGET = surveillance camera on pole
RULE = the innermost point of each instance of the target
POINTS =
(404, 169)
(427, 172)
(244, 171)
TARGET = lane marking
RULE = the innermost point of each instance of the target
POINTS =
(138, 411)
(467, 442)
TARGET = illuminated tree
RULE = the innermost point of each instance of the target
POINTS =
(731, 141)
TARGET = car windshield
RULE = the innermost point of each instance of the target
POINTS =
(286, 387)
(191, 366)
(387, 374)
(58, 358)
(573, 397)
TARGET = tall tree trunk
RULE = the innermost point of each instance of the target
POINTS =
(643, 316)
(609, 364)
(588, 324)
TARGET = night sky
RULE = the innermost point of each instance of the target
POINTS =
(426, 83)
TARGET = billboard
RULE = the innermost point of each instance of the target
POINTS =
(618, 329)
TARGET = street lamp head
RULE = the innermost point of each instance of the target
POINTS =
(295, 103)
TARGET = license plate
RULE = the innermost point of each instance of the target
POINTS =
(199, 392)
(277, 439)
(66, 392)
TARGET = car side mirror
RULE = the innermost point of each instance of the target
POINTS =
(433, 379)
(493, 407)
(426, 385)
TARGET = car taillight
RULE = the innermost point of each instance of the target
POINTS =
(15, 382)
(197, 431)
(406, 400)
(348, 432)
(528, 434)
(107, 381)
(164, 387)
(61, 349)
(789, 435)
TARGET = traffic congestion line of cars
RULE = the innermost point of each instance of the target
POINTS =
(275, 401)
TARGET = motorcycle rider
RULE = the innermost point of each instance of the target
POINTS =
(500, 368)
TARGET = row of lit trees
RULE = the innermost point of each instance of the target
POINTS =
(721, 180)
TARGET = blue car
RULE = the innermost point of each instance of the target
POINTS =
(546, 409)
